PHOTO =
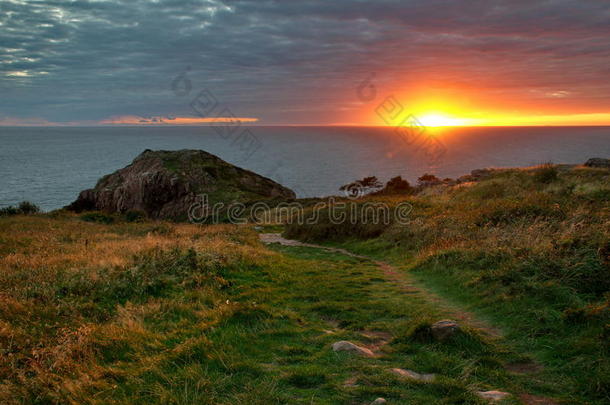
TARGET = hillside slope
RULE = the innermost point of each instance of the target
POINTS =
(528, 249)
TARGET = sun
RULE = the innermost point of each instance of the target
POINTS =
(438, 120)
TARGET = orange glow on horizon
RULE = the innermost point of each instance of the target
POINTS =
(435, 113)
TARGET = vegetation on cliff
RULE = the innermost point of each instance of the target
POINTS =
(527, 248)
(106, 308)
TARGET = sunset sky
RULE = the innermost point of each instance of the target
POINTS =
(304, 63)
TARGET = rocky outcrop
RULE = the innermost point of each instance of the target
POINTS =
(164, 184)
(598, 162)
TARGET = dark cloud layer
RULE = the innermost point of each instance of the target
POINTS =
(289, 61)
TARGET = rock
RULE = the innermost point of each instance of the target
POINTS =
(413, 375)
(480, 174)
(493, 396)
(345, 346)
(379, 401)
(465, 179)
(166, 184)
(444, 329)
(598, 162)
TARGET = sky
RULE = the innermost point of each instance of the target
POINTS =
(163, 62)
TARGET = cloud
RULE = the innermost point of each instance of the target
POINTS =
(37, 122)
(295, 61)
(135, 120)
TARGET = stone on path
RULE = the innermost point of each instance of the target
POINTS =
(345, 346)
(493, 396)
(413, 375)
(379, 401)
(444, 329)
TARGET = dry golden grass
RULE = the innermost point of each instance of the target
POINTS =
(37, 242)
(55, 327)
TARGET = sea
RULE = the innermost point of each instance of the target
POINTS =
(49, 166)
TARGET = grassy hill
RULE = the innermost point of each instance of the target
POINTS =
(155, 312)
(527, 249)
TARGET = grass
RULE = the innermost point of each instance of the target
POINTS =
(525, 248)
(165, 313)
(114, 312)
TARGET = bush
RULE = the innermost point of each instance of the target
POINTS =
(545, 174)
(24, 208)
(353, 221)
(396, 185)
(428, 179)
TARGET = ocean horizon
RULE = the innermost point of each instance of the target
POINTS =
(49, 166)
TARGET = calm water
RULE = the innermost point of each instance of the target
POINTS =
(49, 166)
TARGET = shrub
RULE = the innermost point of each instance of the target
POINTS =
(357, 221)
(428, 179)
(546, 174)
(24, 208)
(359, 188)
(396, 185)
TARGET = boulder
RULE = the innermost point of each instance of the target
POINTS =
(493, 396)
(345, 346)
(480, 174)
(598, 162)
(444, 329)
(166, 184)
(413, 375)
(379, 401)
(465, 179)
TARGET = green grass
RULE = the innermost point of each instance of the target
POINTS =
(526, 250)
(207, 315)
(308, 299)
(150, 313)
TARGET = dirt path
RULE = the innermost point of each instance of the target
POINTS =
(398, 278)
(401, 279)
